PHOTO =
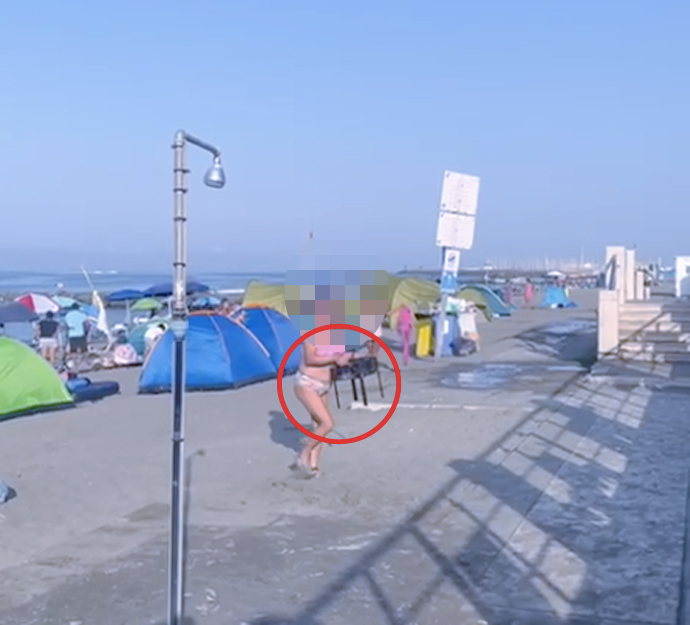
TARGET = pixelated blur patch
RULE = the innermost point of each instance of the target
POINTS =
(327, 288)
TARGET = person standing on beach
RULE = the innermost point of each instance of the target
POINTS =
(77, 329)
(329, 285)
(467, 320)
(47, 331)
(152, 336)
(312, 384)
(405, 327)
(529, 293)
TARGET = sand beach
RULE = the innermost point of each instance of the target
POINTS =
(509, 487)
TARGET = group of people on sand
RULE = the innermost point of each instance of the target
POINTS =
(71, 332)
(528, 291)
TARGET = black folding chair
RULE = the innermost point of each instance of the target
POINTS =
(357, 370)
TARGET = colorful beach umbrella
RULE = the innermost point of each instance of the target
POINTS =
(66, 303)
(145, 304)
(16, 313)
(39, 304)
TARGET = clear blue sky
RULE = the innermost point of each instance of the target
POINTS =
(341, 116)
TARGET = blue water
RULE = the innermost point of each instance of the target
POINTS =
(108, 281)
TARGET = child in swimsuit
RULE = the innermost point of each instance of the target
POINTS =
(312, 383)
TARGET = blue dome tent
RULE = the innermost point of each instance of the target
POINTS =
(555, 297)
(493, 300)
(220, 354)
(276, 333)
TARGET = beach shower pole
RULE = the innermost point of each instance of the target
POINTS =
(214, 178)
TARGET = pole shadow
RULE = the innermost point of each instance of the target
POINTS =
(545, 528)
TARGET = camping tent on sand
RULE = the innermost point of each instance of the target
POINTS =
(265, 295)
(276, 333)
(555, 297)
(27, 382)
(419, 295)
(487, 299)
(220, 354)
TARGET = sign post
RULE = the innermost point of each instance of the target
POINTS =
(455, 232)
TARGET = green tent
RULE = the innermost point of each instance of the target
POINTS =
(27, 382)
(265, 295)
(418, 294)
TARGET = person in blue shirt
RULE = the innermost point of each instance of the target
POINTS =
(77, 329)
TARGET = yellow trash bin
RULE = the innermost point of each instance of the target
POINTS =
(425, 335)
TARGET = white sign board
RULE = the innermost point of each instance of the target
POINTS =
(460, 193)
(458, 210)
(455, 231)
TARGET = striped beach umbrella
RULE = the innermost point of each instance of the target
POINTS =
(39, 304)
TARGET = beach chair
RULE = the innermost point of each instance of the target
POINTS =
(357, 370)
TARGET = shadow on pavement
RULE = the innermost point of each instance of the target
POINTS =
(575, 517)
(572, 340)
(284, 433)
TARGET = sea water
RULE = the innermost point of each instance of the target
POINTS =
(110, 280)
(105, 282)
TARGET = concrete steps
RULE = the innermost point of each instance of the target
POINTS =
(636, 347)
(665, 337)
(657, 332)
(626, 328)
(657, 358)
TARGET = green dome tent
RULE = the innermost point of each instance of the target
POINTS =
(418, 294)
(27, 382)
(259, 294)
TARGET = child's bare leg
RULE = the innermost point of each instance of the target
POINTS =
(315, 404)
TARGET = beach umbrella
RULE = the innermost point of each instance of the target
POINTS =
(66, 302)
(16, 313)
(125, 295)
(147, 303)
(165, 289)
(39, 304)
(90, 311)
